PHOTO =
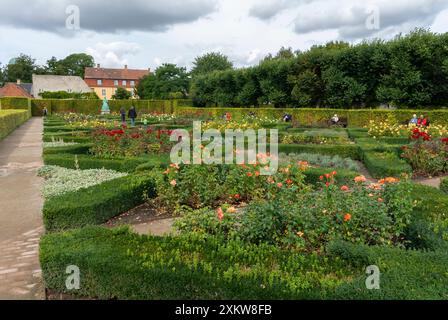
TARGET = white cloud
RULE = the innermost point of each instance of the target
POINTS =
(113, 54)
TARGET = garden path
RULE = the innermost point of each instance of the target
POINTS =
(21, 212)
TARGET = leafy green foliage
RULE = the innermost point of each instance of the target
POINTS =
(96, 204)
(166, 80)
(209, 62)
(121, 94)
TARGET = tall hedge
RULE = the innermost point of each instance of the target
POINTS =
(11, 119)
(356, 118)
(408, 71)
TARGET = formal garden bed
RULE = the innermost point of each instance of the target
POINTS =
(307, 232)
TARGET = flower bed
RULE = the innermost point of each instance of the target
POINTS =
(60, 180)
(130, 142)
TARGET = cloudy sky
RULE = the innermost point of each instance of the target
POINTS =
(146, 33)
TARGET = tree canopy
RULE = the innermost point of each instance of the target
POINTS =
(166, 82)
(409, 71)
(207, 63)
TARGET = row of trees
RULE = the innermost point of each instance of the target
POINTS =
(24, 66)
(408, 71)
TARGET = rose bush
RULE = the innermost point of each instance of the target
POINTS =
(130, 142)
(309, 220)
(199, 186)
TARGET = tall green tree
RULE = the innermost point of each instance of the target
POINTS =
(121, 94)
(21, 68)
(167, 81)
(72, 65)
(207, 63)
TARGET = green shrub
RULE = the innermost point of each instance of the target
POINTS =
(15, 103)
(66, 137)
(404, 274)
(444, 185)
(345, 151)
(429, 222)
(310, 117)
(11, 119)
(120, 265)
(309, 220)
(385, 164)
(320, 160)
(74, 149)
(96, 204)
(73, 161)
(343, 176)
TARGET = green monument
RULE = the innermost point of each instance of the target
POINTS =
(105, 108)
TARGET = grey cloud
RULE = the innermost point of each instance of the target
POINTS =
(267, 9)
(350, 21)
(108, 16)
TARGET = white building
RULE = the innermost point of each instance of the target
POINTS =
(50, 83)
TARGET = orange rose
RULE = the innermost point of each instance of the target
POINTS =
(347, 217)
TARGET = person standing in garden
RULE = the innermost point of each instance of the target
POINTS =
(132, 114)
(123, 115)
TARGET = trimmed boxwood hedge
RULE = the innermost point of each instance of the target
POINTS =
(343, 150)
(444, 185)
(74, 149)
(385, 164)
(117, 264)
(90, 162)
(68, 160)
(429, 223)
(11, 119)
(357, 118)
(65, 137)
(96, 204)
(343, 176)
(404, 274)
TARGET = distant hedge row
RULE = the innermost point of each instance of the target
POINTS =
(11, 119)
(85, 106)
(320, 117)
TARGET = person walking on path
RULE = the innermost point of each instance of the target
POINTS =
(132, 114)
(123, 115)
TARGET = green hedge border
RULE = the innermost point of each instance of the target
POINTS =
(96, 204)
(10, 120)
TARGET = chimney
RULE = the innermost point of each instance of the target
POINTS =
(98, 66)
(19, 81)
(125, 66)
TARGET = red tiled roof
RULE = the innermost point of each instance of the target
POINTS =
(13, 90)
(115, 74)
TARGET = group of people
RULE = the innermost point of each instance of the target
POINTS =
(132, 114)
(422, 121)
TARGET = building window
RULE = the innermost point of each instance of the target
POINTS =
(103, 92)
(124, 82)
(99, 82)
(132, 83)
(116, 83)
